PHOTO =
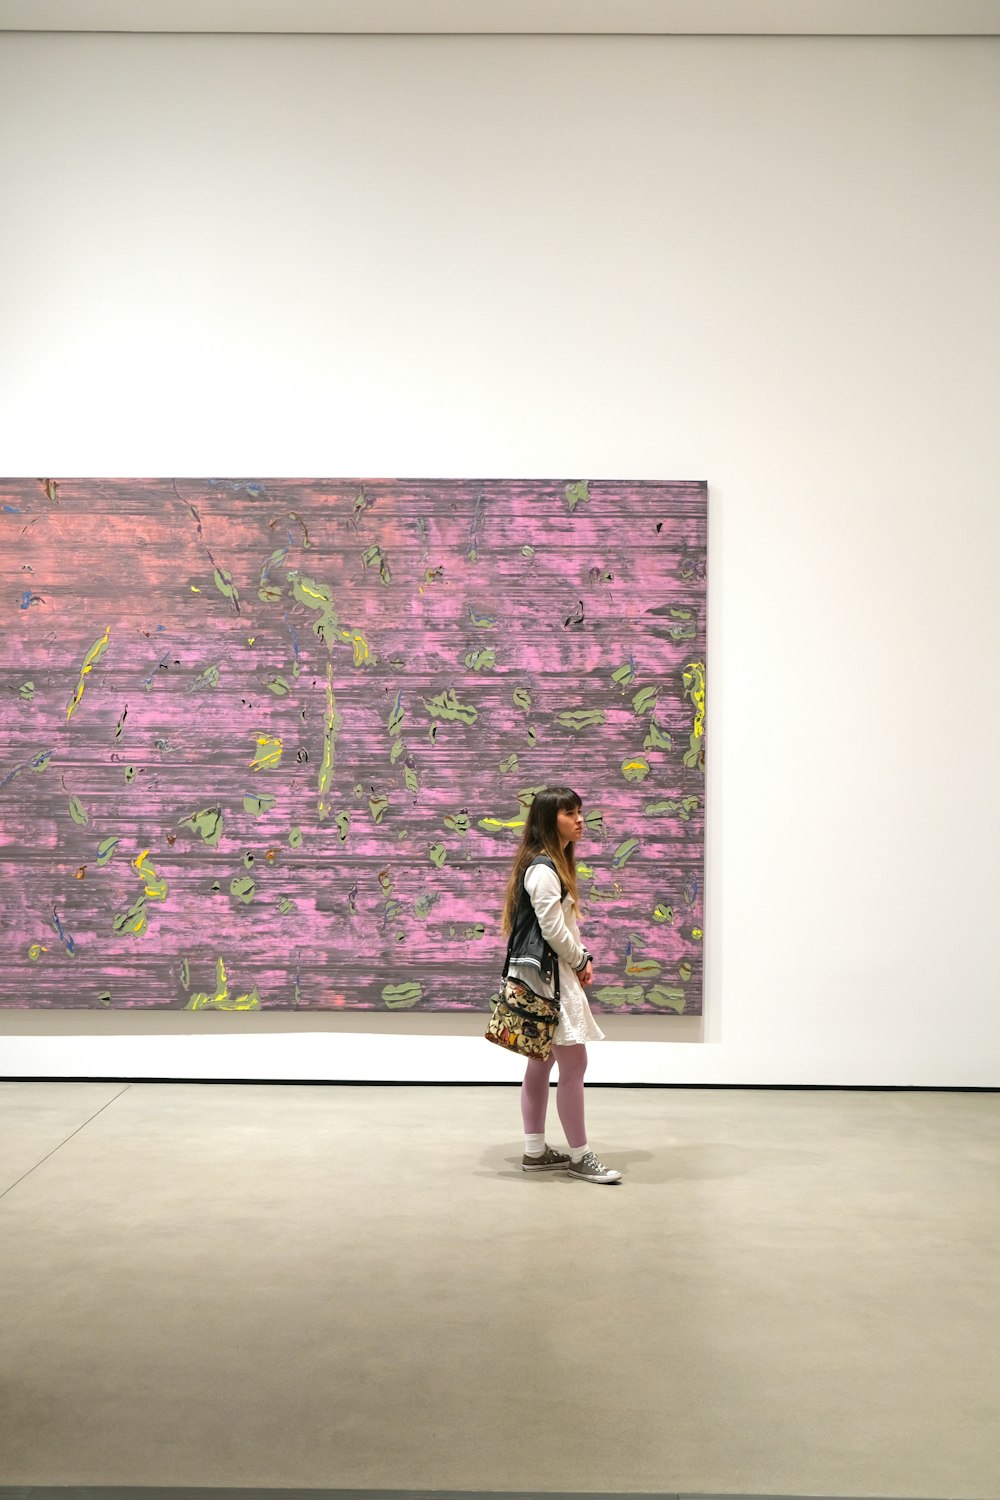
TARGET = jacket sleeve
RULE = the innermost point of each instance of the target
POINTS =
(542, 886)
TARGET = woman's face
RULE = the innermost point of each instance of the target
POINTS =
(570, 826)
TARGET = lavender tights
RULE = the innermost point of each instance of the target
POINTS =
(569, 1093)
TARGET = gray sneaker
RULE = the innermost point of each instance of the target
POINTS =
(549, 1161)
(592, 1169)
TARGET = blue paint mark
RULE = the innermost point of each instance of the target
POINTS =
(26, 599)
(64, 937)
(294, 636)
(13, 510)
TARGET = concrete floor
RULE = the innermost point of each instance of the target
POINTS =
(283, 1285)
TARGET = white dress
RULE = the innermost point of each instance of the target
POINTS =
(557, 919)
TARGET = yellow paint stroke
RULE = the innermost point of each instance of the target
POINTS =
(331, 726)
(269, 752)
(361, 652)
(694, 688)
(91, 659)
(36, 950)
(222, 1000)
(154, 886)
(501, 823)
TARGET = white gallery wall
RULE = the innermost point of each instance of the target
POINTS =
(768, 262)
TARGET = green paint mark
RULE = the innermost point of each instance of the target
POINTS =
(624, 853)
(317, 597)
(657, 738)
(620, 994)
(224, 583)
(374, 555)
(522, 699)
(586, 872)
(577, 494)
(396, 751)
(267, 757)
(396, 715)
(258, 805)
(457, 822)
(662, 912)
(625, 674)
(666, 998)
(270, 593)
(285, 906)
(527, 551)
(681, 614)
(645, 699)
(185, 974)
(35, 952)
(207, 679)
(27, 692)
(527, 794)
(532, 735)
(594, 820)
(106, 849)
(105, 997)
(437, 854)
(134, 920)
(40, 762)
(343, 822)
(635, 768)
(243, 888)
(423, 904)
(481, 661)
(295, 838)
(90, 661)
(410, 779)
(580, 718)
(446, 706)
(508, 765)
(377, 804)
(278, 686)
(331, 729)
(78, 812)
(694, 689)
(207, 824)
(682, 632)
(249, 860)
(482, 622)
(222, 1000)
(681, 809)
(473, 934)
(154, 886)
(401, 996)
(130, 774)
(685, 971)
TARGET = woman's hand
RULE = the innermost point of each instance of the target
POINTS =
(586, 974)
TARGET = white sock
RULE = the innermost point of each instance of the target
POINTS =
(534, 1145)
(577, 1153)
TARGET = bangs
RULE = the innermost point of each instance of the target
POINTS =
(566, 799)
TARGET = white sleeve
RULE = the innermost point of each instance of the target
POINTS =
(543, 887)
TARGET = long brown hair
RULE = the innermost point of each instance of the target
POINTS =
(541, 836)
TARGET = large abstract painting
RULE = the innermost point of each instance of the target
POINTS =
(270, 744)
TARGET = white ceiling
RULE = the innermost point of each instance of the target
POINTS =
(654, 17)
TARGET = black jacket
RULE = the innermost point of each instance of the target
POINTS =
(526, 942)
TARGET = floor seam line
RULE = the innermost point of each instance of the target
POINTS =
(48, 1154)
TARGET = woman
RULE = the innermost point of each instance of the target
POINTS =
(541, 900)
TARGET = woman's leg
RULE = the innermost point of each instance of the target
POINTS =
(535, 1094)
(569, 1093)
